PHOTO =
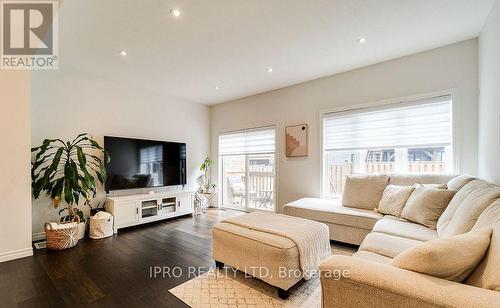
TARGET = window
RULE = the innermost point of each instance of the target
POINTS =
(413, 137)
(247, 169)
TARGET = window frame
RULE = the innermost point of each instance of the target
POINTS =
(383, 104)
(220, 199)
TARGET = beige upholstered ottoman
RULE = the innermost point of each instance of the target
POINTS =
(272, 258)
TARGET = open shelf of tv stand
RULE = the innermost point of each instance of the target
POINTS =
(132, 210)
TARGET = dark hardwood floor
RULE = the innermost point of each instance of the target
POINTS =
(113, 272)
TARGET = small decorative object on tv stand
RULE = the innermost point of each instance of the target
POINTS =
(134, 210)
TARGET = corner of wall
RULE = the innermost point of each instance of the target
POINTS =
(489, 98)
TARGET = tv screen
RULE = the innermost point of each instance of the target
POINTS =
(137, 163)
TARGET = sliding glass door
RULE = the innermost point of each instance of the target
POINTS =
(247, 169)
(233, 180)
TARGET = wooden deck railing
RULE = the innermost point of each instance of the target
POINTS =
(339, 172)
(261, 186)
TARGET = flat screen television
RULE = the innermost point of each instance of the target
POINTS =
(138, 163)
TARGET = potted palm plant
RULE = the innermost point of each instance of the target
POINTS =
(204, 182)
(67, 171)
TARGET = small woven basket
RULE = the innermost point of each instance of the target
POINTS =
(101, 227)
(58, 239)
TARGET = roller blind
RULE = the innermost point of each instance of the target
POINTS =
(420, 123)
(255, 141)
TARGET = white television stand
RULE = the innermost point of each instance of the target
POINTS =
(135, 210)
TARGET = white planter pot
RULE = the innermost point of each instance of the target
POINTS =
(81, 230)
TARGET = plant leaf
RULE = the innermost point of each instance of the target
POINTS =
(63, 170)
(68, 196)
(76, 141)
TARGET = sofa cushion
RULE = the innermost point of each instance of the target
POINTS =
(487, 274)
(364, 191)
(452, 258)
(372, 257)
(394, 199)
(404, 228)
(472, 206)
(459, 182)
(331, 211)
(489, 217)
(426, 204)
(386, 244)
(411, 179)
(457, 201)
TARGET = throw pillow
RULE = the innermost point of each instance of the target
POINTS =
(364, 191)
(452, 258)
(426, 204)
(394, 199)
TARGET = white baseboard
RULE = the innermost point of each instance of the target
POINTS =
(38, 236)
(16, 254)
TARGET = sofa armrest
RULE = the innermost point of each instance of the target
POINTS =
(355, 282)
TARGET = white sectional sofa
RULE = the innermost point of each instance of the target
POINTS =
(373, 282)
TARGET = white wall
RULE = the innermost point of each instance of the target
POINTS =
(15, 193)
(66, 103)
(489, 100)
(449, 67)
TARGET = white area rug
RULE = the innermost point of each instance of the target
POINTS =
(219, 288)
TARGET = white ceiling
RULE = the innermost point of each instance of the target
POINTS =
(232, 43)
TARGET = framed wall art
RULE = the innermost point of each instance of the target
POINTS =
(297, 139)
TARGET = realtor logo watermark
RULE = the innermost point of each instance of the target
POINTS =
(29, 32)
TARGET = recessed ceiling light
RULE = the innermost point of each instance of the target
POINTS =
(270, 70)
(175, 12)
(217, 87)
(123, 53)
(362, 40)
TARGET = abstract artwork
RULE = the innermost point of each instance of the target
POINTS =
(296, 140)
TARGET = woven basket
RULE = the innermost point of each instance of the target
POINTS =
(58, 239)
(101, 228)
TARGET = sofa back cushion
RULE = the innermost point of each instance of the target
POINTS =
(468, 212)
(460, 198)
(426, 204)
(459, 182)
(489, 217)
(487, 274)
(411, 179)
(364, 191)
